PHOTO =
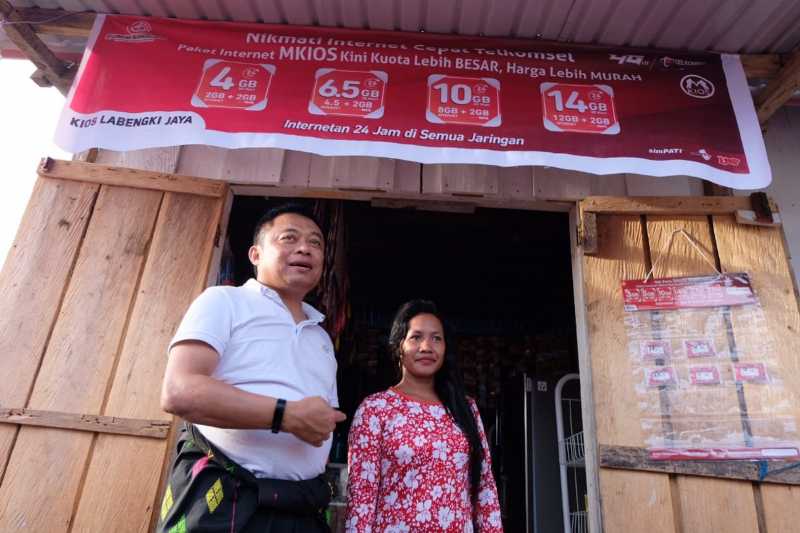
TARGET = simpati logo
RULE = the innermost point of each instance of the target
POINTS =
(141, 26)
(697, 86)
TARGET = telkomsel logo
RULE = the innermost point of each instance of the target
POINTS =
(697, 86)
(141, 26)
(137, 32)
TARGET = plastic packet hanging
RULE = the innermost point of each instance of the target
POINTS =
(705, 370)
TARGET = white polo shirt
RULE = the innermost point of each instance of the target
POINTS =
(262, 350)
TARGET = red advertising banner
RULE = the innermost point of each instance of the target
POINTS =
(681, 293)
(147, 82)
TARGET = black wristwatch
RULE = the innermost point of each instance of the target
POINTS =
(277, 416)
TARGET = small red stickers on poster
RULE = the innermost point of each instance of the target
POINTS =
(679, 293)
(699, 348)
(460, 100)
(655, 349)
(351, 93)
(569, 107)
(704, 375)
(750, 372)
(233, 85)
(662, 376)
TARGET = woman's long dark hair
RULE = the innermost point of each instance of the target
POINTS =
(447, 382)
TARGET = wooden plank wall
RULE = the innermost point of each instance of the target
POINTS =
(272, 166)
(92, 291)
(645, 501)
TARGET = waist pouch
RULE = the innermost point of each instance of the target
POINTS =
(207, 491)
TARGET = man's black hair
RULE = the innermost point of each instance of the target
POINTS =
(290, 207)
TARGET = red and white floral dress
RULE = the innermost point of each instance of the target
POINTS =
(409, 470)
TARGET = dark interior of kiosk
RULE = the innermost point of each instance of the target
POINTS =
(503, 280)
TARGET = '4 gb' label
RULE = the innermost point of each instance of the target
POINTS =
(230, 84)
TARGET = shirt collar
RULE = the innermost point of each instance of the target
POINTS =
(314, 316)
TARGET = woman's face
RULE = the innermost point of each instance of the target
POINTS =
(423, 348)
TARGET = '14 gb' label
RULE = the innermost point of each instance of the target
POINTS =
(569, 107)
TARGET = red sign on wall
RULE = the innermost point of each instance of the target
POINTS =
(148, 82)
(695, 291)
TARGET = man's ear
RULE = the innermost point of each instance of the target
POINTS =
(254, 254)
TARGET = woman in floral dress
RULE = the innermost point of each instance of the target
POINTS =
(418, 457)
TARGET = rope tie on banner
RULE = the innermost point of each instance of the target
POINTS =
(665, 252)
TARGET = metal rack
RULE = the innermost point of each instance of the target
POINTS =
(571, 453)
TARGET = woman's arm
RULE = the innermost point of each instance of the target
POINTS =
(487, 512)
(365, 451)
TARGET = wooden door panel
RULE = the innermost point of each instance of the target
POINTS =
(32, 284)
(90, 297)
(632, 500)
(174, 274)
(47, 465)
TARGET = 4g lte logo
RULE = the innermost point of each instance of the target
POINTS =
(629, 59)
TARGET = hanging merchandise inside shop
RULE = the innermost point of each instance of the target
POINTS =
(502, 279)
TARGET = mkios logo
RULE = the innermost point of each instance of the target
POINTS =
(697, 86)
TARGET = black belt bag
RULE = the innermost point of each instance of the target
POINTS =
(207, 491)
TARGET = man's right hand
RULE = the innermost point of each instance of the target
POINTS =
(311, 420)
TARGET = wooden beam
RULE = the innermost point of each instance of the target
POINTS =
(58, 22)
(761, 66)
(57, 72)
(780, 89)
(588, 233)
(491, 202)
(128, 177)
(660, 205)
(632, 458)
(155, 429)
(79, 24)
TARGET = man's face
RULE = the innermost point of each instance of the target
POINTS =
(289, 256)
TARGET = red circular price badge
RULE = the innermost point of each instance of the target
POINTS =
(234, 85)
(352, 93)
(458, 100)
(576, 108)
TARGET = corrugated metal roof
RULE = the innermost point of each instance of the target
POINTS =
(743, 26)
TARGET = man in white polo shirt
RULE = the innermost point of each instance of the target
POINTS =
(253, 372)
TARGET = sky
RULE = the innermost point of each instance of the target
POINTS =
(28, 117)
